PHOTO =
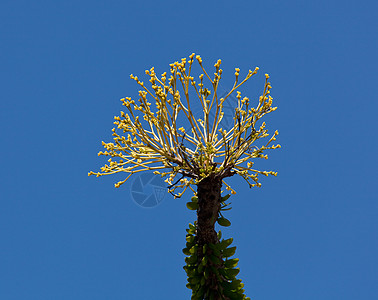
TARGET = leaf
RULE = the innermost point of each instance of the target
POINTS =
(204, 261)
(231, 263)
(215, 249)
(200, 268)
(189, 238)
(216, 252)
(203, 280)
(199, 293)
(194, 280)
(236, 284)
(192, 205)
(231, 273)
(229, 252)
(192, 273)
(191, 231)
(215, 259)
(194, 199)
(193, 249)
(225, 243)
(232, 293)
(223, 222)
(224, 209)
(188, 268)
(191, 259)
(225, 198)
(206, 273)
(214, 270)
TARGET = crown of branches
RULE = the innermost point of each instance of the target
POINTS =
(156, 141)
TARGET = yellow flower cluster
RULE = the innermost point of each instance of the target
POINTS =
(158, 142)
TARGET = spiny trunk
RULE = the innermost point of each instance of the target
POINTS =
(209, 197)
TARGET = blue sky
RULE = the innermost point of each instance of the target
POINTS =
(310, 233)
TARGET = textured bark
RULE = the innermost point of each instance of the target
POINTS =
(209, 197)
(209, 203)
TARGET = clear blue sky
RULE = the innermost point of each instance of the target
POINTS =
(308, 234)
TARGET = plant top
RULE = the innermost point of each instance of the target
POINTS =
(154, 140)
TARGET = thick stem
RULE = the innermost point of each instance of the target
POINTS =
(209, 198)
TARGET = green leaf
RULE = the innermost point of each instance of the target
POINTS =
(186, 251)
(233, 294)
(203, 280)
(189, 286)
(199, 293)
(196, 297)
(194, 280)
(215, 249)
(225, 198)
(219, 235)
(191, 231)
(191, 259)
(192, 205)
(231, 273)
(192, 273)
(225, 243)
(223, 222)
(206, 273)
(236, 284)
(193, 249)
(194, 199)
(217, 252)
(189, 238)
(204, 261)
(229, 252)
(200, 268)
(188, 268)
(231, 263)
(214, 270)
(223, 206)
(224, 209)
(215, 259)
